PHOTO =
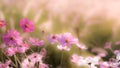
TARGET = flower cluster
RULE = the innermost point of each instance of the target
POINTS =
(15, 45)
(95, 61)
(91, 62)
(34, 60)
(12, 37)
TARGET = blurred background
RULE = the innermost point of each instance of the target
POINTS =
(94, 22)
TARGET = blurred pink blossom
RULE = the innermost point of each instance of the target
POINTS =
(10, 51)
(2, 23)
(27, 25)
(36, 42)
(107, 45)
(12, 37)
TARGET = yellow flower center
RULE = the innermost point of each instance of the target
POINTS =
(11, 38)
(26, 25)
(67, 40)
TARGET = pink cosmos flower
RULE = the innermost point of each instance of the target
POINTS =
(104, 64)
(12, 37)
(27, 25)
(36, 57)
(116, 52)
(52, 38)
(114, 63)
(10, 51)
(22, 48)
(36, 42)
(66, 39)
(26, 63)
(2, 23)
(43, 52)
(107, 45)
(7, 62)
(101, 54)
(30, 61)
(5, 65)
(85, 61)
(76, 59)
(99, 51)
(81, 46)
(117, 43)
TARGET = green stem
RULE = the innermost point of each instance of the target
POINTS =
(32, 50)
(17, 59)
(61, 59)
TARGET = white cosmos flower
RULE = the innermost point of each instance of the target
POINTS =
(85, 61)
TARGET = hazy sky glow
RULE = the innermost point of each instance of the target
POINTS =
(88, 8)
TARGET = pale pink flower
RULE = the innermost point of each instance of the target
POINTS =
(26, 63)
(101, 54)
(52, 38)
(20, 49)
(81, 46)
(43, 52)
(36, 42)
(117, 43)
(30, 61)
(10, 51)
(85, 61)
(104, 64)
(107, 45)
(78, 60)
(7, 62)
(116, 52)
(35, 57)
(100, 51)
(66, 39)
